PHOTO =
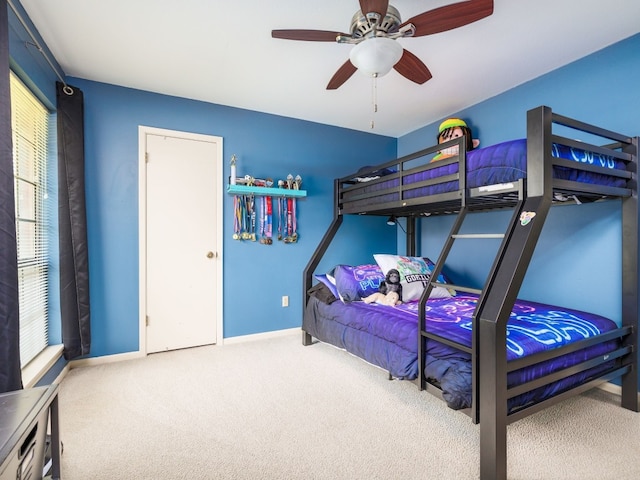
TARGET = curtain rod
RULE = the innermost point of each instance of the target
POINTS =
(66, 89)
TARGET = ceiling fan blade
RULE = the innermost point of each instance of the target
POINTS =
(307, 35)
(375, 6)
(342, 75)
(412, 68)
(450, 17)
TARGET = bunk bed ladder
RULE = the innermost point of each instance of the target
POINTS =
(422, 306)
(454, 235)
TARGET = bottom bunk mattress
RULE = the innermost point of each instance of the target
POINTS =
(388, 337)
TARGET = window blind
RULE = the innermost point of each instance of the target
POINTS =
(30, 129)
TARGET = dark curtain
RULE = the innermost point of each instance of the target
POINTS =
(10, 373)
(72, 224)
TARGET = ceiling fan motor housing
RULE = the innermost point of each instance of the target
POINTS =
(370, 25)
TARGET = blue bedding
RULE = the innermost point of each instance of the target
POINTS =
(501, 163)
(387, 337)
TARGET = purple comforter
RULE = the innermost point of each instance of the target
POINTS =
(388, 337)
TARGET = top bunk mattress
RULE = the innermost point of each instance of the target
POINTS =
(498, 164)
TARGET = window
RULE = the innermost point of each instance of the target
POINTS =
(30, 134)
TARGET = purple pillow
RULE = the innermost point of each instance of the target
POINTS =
(357, 282)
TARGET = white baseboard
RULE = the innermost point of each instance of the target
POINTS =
(261, 336)
(611, 388)
(86, 362)
(615, 389)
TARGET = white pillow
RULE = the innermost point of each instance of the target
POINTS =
(414, 275)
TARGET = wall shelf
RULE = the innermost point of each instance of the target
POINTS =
(265, 191)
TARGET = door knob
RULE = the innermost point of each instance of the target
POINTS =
(211, 255)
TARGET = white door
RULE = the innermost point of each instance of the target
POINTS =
(181, 239)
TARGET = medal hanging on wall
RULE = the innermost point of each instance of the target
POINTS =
(291, 213)
(280, 199)
(292, 235)
(237, 217)
(266, 221)
(269, 220)
(252, 218)
(289, 219)
(244, 218)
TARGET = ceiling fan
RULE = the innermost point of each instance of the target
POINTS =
(374, 30)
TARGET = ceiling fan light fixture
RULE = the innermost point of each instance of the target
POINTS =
(376, 56)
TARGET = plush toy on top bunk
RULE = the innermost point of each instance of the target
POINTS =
(453, 128)
(390, 291)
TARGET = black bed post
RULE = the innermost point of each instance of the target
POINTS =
(630, 287)
(411, 239)
(504, 283)
(319, 253)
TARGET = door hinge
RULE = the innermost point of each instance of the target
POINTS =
(146, 320)
(146, 157)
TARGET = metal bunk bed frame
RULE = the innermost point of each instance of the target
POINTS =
(497, 298)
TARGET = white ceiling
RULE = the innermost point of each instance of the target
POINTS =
(222, 52)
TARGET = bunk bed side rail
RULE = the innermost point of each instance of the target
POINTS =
(396, 189)
(569, 348)
(529, 410)
(612, 149)
(358, 191)
(399, 161)
(587, 127)
(599, 159)
(587, 167)
(569, 371)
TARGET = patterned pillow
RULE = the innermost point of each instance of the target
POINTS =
(356, 282)
(414, 275)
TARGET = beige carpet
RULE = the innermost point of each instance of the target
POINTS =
(273, 409)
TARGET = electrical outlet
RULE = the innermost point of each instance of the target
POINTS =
(285, 300)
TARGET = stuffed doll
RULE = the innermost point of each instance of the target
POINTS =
(450, 129)
(389, 292)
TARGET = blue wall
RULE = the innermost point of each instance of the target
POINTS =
(577, 263)
(255, 276)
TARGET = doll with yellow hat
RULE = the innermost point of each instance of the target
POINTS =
(453, 128)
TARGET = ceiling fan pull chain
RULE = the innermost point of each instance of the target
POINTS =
(374, 97)
(375, 94)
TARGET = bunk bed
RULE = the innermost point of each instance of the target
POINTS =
(478, 342)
